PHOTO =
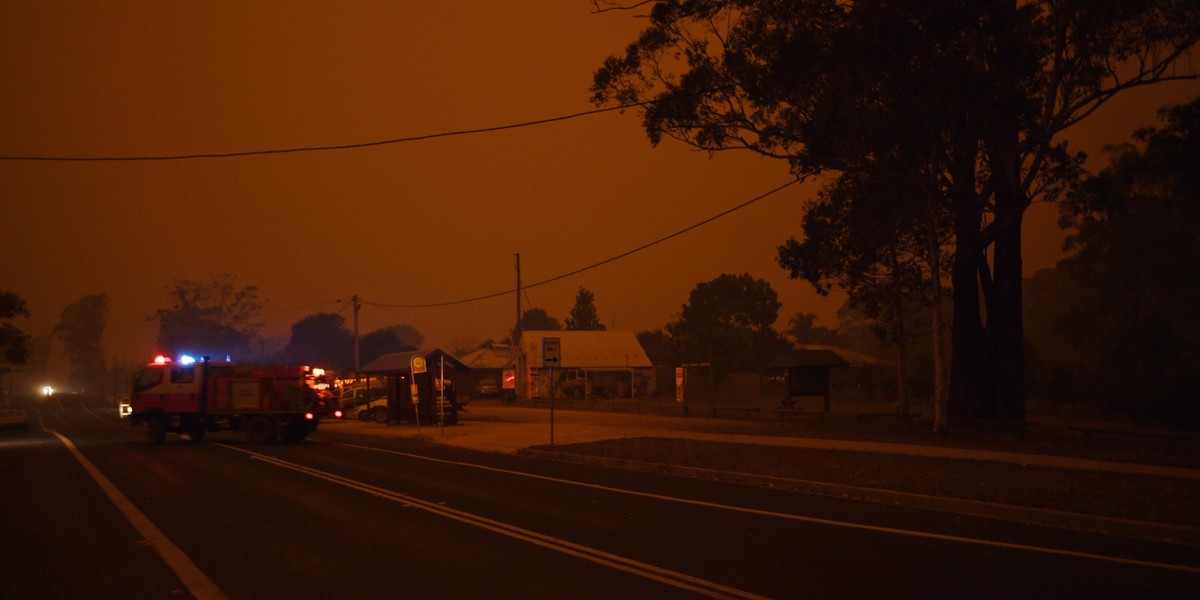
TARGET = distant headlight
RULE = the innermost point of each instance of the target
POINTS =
(125, 409)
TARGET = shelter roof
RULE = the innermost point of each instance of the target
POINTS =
(853, 358)
(807, 358)
(396, 363)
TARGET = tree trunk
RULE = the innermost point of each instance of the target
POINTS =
(1006, 318)
(1005, 315)
(940, 389)
(969, 385)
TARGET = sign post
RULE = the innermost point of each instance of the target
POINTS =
(680, 384)
(417, 365)
(442, 394)
(551, 357)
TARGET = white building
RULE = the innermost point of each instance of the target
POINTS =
(593, 364)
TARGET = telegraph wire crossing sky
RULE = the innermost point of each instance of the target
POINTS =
(152, 142)
(327, 148)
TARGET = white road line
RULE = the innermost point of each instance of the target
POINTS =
(805, 519)
(614, 561)
(200, 586)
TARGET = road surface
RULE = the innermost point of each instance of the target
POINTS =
(90, 509)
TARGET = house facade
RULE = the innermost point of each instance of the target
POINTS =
(591, 365)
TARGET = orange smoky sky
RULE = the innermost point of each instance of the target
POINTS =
(403, 224)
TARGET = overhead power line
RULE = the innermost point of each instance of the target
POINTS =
(329, 148)
(597, 264)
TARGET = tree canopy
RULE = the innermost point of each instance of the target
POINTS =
(728, 321)
(960, 101)
(214, 317)
(385, 340)
(537, 319)
(1137, 250)
(14, 343)
(583, 314)
(323, 340)
(80, 330)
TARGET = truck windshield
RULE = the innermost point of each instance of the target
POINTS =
(148, 378)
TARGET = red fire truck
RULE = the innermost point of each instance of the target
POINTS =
(195, 397)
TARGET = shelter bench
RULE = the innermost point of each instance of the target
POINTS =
(1088, 431)
(749, 410)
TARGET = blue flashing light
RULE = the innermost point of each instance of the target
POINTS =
(187, 359)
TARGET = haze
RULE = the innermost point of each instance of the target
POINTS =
(403, 224)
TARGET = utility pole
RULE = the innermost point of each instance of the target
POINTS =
(517, 329)
(356, 305)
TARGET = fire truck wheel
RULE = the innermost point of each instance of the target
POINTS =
(295, 432)
(380, 415)
(196, 434)
(156, 428)
(261, 430)
(195, 428)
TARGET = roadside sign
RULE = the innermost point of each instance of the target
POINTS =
(418, 364)
(551, 352)
(679, 383)
(413, 390)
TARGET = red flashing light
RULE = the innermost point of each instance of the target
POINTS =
(162, 359)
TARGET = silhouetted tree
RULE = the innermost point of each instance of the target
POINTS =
(321, 340)
(14, 343)
(583, 314)
(1137, 249)
(537, 319)
(213, 318)
(386, 340)
(971, 94)
(728, 322)
(80, 329)
(804, 329)
(659, 347)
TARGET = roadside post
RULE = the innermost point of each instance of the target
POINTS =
(417, 365)
(442, 394)
(680, 384)
(551, 356)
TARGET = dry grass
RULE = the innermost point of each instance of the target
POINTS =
(1138, 497)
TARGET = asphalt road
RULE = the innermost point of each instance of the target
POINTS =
(92, 510)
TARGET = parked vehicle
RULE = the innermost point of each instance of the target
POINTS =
(486, 387)
(14, 418)
(365, 404)
(586, 383)
(374, 410)
(194, 398)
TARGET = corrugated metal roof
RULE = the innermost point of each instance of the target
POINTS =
(588, 349)
(497, 357)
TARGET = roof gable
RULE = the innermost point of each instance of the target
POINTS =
(400, 362)
(588, 349)
(497, 357)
